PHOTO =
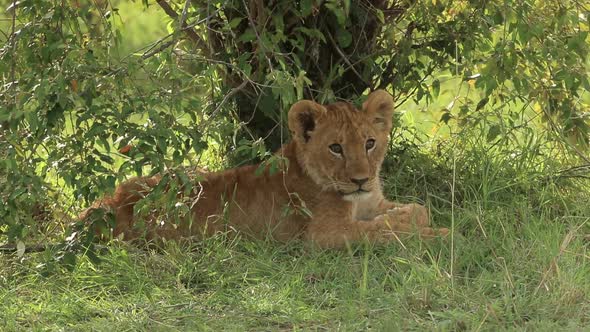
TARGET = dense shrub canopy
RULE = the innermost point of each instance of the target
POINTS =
(80, 108)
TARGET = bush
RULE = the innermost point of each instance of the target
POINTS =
(77, 116)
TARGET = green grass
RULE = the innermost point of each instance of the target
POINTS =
(519, 260)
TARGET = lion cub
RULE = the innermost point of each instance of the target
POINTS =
(334, 159)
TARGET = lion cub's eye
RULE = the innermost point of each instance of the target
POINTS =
(370, 144)
(336, 148)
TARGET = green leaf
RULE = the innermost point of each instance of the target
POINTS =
(91, 254)
(313, 33)
(248, 35)
(436, 87)
(493, 132)
(69, 260)
(260, 169)
(379, 15)
(344, 38)
(306, 7)
(578, 43)
(481, 103)
(335, 7)
(446, 117)
(235, 22)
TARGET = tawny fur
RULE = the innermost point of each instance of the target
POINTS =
(316, 180)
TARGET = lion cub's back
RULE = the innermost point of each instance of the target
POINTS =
(248, 202)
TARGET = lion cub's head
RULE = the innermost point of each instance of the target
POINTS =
(340, 147)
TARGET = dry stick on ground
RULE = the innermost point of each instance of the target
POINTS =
(553, 267)
(572, 172)
(8, 249)
(33, 248)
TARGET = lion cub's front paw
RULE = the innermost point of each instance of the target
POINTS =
(395, 229)
(414, 214)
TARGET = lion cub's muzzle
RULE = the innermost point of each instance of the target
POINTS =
(356, 189)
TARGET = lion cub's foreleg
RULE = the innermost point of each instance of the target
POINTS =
(378, 205)
(382, 229)
(412, 213)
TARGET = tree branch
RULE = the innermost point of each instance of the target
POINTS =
(182, 20)
(350, 65)
(157, 50)
(260, 43)
(192, 35)
(224, 100)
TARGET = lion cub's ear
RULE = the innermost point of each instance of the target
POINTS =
(380, 105)
(303, 117)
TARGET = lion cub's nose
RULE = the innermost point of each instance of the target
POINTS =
(360, 182)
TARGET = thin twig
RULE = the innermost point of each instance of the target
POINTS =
(181, 23)
(345, 59)
(585, 167)
(223, 101)
(565, 142)
(253, 26)
(157, 50)
(13, 36)
(149, 49)
(411, 93)
(203, 20)
(228, 96)
(184, 27)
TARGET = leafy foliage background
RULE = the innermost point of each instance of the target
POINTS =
(82, 107)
